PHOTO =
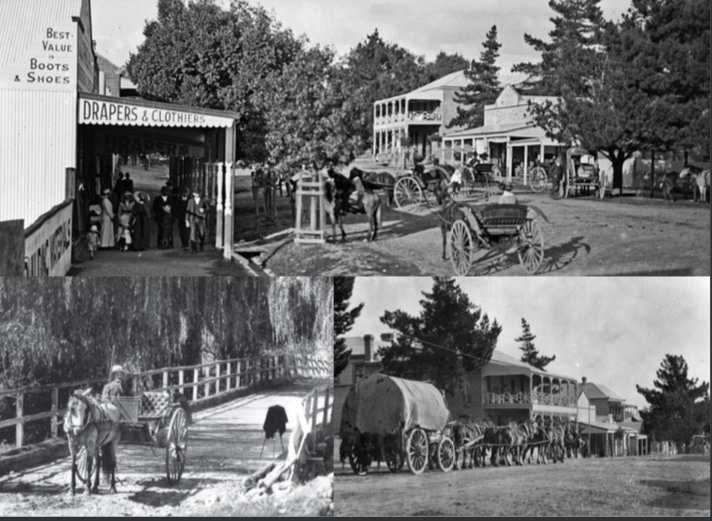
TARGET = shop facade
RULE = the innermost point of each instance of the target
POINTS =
(61, 138)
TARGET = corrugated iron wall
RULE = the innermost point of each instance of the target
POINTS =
(37, 144)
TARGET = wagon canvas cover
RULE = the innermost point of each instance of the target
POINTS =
(383, 402)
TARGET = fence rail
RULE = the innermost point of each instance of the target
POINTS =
(197, 383)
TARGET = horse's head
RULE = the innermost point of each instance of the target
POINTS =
(78, 414)
(442, 191)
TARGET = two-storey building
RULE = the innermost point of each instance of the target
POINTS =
(507, 389)
(404, 125)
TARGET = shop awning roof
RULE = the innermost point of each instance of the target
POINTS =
(595, 427)
(95, 109)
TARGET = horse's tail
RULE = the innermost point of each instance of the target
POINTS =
(108, 460)
(329, 191)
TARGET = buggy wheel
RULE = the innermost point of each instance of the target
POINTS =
(176, 445)
(462, 248)
(407, 192)
(82, 465)
(446, 454)
(538, 180)
(394, 460)
(531, 246)
(416, 449)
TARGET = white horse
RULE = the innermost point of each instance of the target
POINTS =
(700, 181)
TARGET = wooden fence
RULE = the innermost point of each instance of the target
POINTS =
(197, 383)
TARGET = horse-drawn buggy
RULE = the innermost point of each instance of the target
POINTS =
(508, 228)
(413, 187)
(154, 418)
(582, 175)
(398, 421)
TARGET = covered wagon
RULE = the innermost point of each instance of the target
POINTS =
(398, 421)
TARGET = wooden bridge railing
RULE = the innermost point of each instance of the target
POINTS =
(197, 383)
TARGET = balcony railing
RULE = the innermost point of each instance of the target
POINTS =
(425, 116)
(528, 398)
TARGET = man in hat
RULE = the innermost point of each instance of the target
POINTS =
(116, 386)
(507, 196)
(556, 173)
(196, 215)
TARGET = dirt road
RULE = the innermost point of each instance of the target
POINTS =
(632, 486)
(224, 446)
(585, 236)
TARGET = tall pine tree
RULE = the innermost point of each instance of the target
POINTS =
(450, 336)
(483, 87)
(675, 413)
(530, 354)
(343, 320)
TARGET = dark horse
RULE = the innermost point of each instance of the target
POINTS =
(347, 195)
(94, 427)
(449, 210)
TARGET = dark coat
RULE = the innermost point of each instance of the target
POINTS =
(275, 421)
(141, 224)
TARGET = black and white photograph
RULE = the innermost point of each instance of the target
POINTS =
(522, 397)
(166, 397)
(341, 138)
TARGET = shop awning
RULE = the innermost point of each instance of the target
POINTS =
(95, 109)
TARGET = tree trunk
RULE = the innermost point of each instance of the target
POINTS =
(617, 159)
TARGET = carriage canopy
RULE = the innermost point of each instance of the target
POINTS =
(380, 404)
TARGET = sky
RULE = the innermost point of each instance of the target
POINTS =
(423, 27)
(615, 331)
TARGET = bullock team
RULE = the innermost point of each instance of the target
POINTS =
(515, 441)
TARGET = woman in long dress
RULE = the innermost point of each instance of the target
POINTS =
(125, 214)
(107, 221)
(141, 224)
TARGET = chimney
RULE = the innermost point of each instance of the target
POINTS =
(367, 346)
(583, 379)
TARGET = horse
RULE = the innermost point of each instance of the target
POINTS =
(465, 433)
(348, 195)
(540, 441)
(557, 437)
(700, 179)
(449, 210)
(668, 184)
(95, 427)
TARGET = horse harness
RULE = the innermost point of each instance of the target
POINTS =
(97, 416)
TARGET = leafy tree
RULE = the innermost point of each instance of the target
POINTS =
(376, 70)
(530, 354)
(310, 119)
(483, 87)
(198, 54)
(443, 65)
(673, 50)
(343, 320)
(675, 411)
(450, 337)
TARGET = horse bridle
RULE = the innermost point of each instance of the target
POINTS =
(89, 418)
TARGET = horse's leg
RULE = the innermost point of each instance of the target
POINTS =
(97, 470)
(73, 485)
(90, 460)
(111, 457)
(443, 231)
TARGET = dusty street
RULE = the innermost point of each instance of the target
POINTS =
(634, 486)
(224, 446)
(625, 236)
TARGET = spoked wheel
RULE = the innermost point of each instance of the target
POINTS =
(538, 179)
(462, 248)
(359, 461)
(394, 460)
(446, 454)
(82, 465)
(407, 192)
(416, 448)
(177, 443)
(531, 246)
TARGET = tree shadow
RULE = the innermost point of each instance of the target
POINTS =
(684, 495)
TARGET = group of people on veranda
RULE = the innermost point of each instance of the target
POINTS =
(125, 221)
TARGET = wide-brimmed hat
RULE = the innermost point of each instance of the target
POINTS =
(117, 369)
(142, 197)
(105, 191)
(93, 228)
